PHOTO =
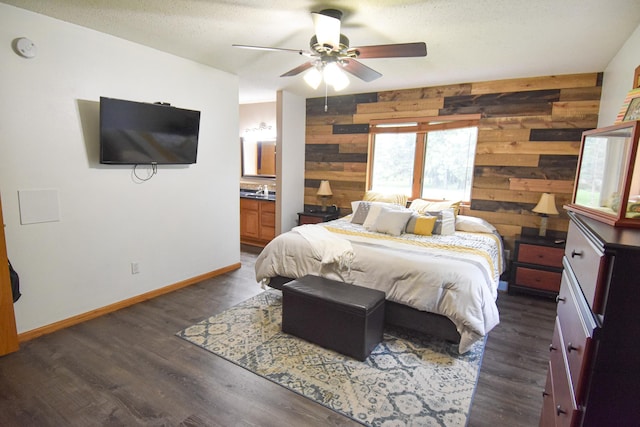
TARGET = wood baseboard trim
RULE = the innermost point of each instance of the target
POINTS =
(35, 333)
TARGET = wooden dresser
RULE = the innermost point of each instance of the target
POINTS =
(595, 350)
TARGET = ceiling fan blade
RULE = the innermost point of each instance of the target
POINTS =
(327, 27)
(360, 70)
(399, 50)
(275, 49)
(298, 69)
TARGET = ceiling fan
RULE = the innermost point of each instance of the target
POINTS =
(330, 53)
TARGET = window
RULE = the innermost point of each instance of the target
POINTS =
(430, 159)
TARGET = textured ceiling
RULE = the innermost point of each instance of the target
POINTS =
(467, 40)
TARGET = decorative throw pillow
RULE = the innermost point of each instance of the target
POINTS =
(391, 221)
(445, 222)
(473, 224)
(421, 224)
(374, 196)
(361, 212)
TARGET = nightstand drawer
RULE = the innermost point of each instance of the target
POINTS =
(317, 217)
(538, 279)
(540, 255)
(537, 266)
(306, 219)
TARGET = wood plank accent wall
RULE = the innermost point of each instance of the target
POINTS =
(528, 141)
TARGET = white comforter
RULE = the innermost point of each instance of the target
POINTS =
(455, 276)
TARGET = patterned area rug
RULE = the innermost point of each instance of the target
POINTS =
(409, 379)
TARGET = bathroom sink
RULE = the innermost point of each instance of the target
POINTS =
(254, 195)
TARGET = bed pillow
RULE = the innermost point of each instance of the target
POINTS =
(397, 199)
(473, 224)
(445, 222)
(360, 212)
(421, 224)
(422, 206)
(374, 211)
(391, 221)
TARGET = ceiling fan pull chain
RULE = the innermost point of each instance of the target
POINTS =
(326, 96)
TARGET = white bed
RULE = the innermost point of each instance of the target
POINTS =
(454, 275)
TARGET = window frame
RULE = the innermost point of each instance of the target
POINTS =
(420, 126)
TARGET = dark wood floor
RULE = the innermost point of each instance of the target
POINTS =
(128, 368)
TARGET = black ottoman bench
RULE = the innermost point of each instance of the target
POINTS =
(346, 318)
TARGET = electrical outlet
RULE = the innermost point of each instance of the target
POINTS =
(135, 268)
(507, 254)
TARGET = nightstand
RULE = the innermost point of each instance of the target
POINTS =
(537, 266)
(316, 217)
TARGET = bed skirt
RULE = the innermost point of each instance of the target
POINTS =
(404, 316)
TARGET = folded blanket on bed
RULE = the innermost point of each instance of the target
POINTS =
(326, 246)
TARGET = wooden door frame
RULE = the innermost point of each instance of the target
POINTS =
(8, 333)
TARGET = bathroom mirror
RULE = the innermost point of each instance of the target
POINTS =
(258, 158)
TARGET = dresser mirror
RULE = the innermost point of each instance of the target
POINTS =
(258, 158)
(607, 186)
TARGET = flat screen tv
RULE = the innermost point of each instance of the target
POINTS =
(134, 133)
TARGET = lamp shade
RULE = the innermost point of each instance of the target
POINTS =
(325, 189)
(546, 205)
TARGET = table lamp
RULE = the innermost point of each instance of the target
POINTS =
(545, 207)
(324, 192)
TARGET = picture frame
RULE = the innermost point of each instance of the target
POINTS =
(630, 109)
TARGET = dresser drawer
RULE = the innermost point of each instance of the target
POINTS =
(577, 326)
(565, 408)
(588, 264)
(548, 415)
(538, 279)
(540, 255)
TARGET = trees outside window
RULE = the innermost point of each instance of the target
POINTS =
(429, 160)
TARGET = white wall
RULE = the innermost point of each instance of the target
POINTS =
(618, 79)
(182, 223)
(290, 158)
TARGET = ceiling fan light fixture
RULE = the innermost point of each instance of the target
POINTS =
(335, 77)
(313, 77)
(332, 60)
(327, 29)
